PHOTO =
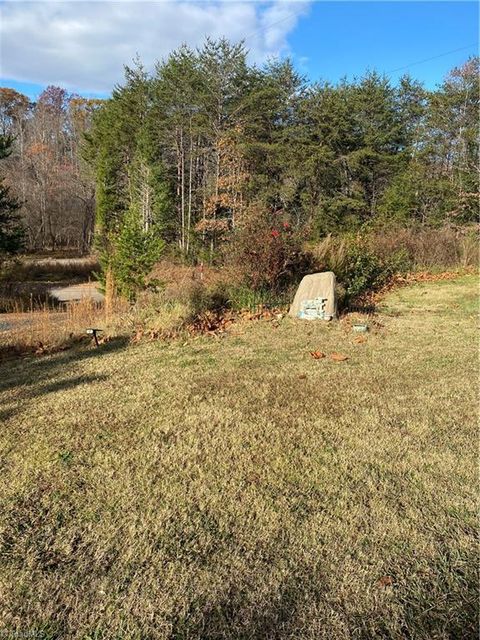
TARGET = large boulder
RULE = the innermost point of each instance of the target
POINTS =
(315, 298)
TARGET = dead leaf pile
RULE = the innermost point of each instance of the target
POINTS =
(211, 322)
(262, 313)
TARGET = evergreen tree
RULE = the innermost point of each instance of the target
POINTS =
(131, 195)
(187, 156)
(11, 229)
(453, 145)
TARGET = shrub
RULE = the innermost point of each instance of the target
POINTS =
(359, 268)
(361, 271)
(365, 263)
(427, 248)
(134, 254)
(168, 310)
(267, 251)
(417, 194)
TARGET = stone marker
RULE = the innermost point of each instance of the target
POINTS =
(315, 298)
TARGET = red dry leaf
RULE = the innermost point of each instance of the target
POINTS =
(385, 581)
(317, 354)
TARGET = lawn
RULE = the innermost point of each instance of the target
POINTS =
(235, 488)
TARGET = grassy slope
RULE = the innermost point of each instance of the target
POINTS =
(238, 489)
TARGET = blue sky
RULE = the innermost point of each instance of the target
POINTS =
(83, 45)
(346, 38)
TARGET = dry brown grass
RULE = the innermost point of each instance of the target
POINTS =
(33, 268)
(437, 249)
(442, 248)
(160, 314)
(236, 488)
(45, 330)
(175, 276)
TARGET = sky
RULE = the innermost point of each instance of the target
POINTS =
(83, 46)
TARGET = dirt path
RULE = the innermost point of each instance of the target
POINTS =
(68, 293)
(77, 292)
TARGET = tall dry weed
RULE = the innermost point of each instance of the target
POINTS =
(446, 247)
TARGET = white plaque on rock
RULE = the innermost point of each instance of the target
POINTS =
(315, 298)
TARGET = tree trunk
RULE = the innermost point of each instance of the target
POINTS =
(190, 178)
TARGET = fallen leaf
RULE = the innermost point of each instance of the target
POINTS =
(385, 581)
(360, 339)
(302, 376)
(338, 357)
(40, 350)
(317, 354)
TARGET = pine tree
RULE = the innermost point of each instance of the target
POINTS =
(188, 154)
(453, 144)
(11, 230)
(131, 193)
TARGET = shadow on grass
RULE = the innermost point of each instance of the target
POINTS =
(284, 613)
(276, 617)
(34, 377)
(63, 385)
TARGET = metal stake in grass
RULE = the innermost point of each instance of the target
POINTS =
(93, 332)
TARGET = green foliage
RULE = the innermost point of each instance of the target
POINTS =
(242, 297)
(133, 198)
(213, 298)
(205, 147)
(361, 271)
(359, 264)
(452, 145)
(417, 195)
(135, 251)
(11, 228)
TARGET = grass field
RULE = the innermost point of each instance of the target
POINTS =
(235, 488)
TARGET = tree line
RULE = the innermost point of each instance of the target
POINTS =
(209, 151)
(53, 186)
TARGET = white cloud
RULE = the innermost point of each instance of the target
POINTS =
(84, 45)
